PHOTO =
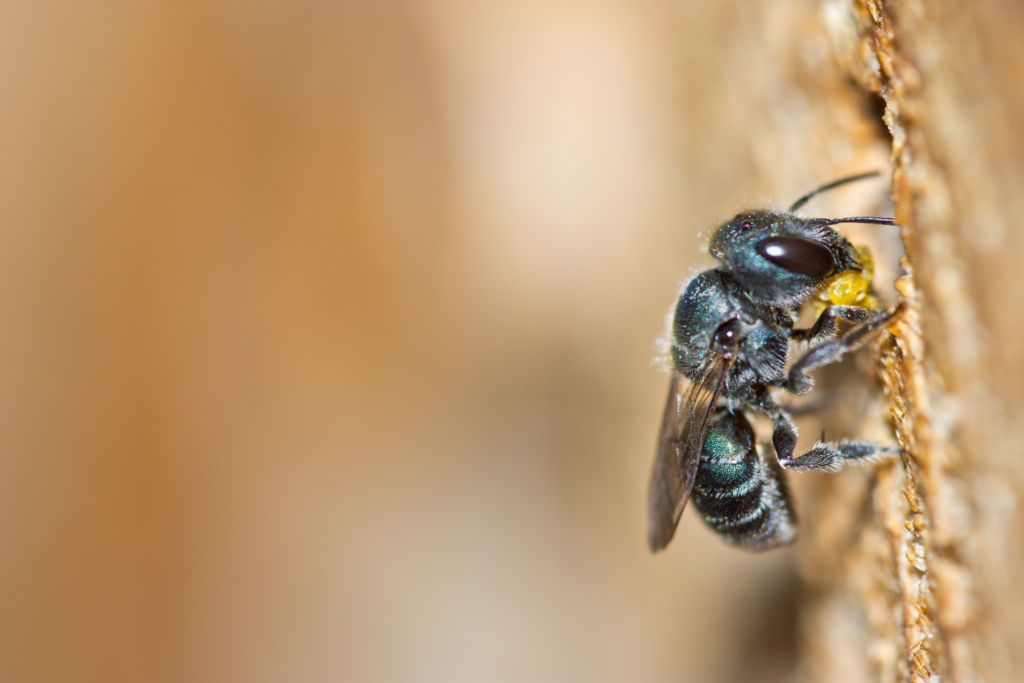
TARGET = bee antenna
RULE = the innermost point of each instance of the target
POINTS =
(834, 184)
(872, 220)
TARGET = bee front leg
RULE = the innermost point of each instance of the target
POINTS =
(831, 351)
(824, 328)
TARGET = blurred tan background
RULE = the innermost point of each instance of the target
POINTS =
(328, 332)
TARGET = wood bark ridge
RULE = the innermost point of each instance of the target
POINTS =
(930, 566)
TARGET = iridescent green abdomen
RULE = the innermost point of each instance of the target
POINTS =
(738, 494)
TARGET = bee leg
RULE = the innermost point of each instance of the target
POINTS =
(823, 456)
(784, 433)
(829, 457)
(829, 352)
(824, 328)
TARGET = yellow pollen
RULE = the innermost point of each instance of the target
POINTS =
(849, 287)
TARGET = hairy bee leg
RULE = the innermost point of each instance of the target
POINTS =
(798, 382)
(829, 457)
(823, 456)
(824, 328)
(784, 432)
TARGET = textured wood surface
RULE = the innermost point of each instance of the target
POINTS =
(948, 547)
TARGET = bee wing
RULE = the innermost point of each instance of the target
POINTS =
(683, 428)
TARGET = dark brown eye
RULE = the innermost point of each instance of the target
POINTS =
(798, 256)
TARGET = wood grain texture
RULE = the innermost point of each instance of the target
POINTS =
(946, 537)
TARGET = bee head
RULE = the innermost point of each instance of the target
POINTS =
(778, 257)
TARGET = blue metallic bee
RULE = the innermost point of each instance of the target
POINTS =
(731, 334)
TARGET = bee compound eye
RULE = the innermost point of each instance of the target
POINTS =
(797, 255)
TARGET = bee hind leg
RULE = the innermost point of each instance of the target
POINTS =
(823, 456)
(830, 456)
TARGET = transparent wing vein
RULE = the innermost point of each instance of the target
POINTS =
(683, 429)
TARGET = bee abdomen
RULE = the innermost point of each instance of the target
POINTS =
(740, 496)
